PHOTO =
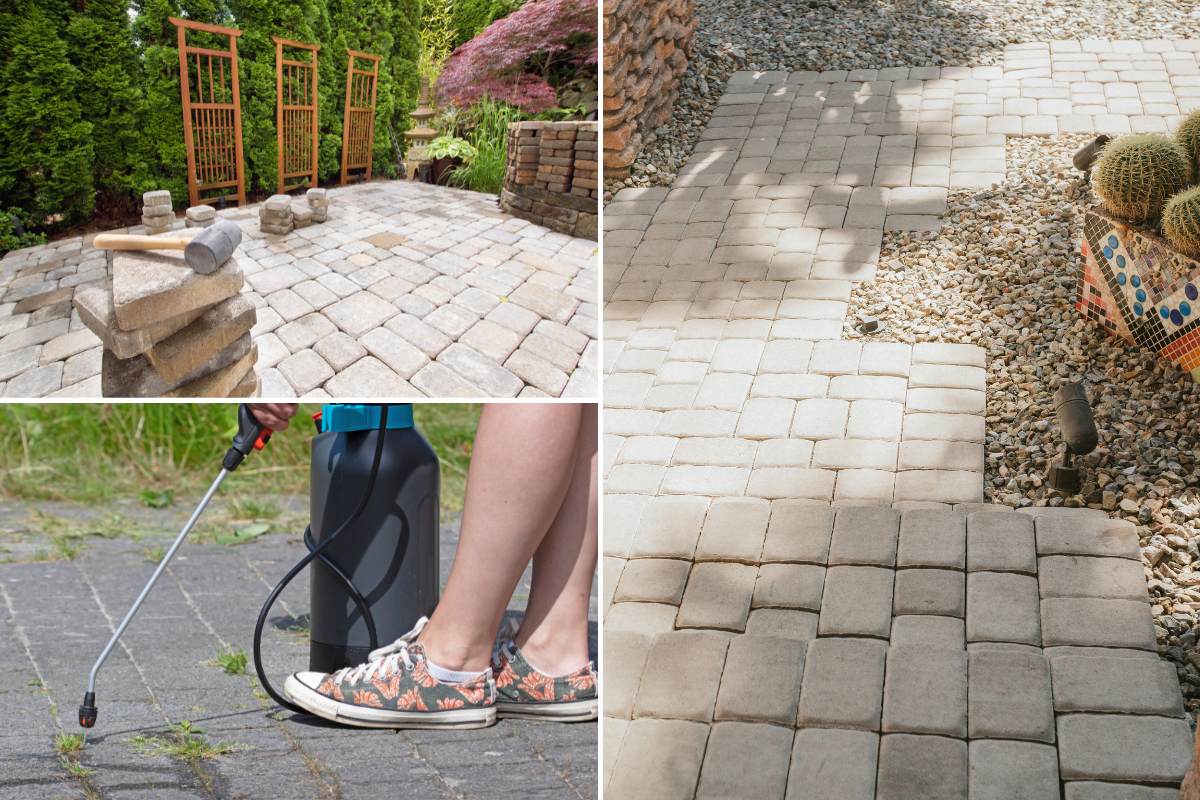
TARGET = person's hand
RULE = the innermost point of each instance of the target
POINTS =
(275, 416)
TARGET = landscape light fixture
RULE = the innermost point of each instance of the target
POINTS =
(1079, 435)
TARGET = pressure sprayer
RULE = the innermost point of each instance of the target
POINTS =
(376, 552)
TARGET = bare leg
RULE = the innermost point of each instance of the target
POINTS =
(520, 471)
(554, 632)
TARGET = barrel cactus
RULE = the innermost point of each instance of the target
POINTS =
(1188, 136)
(1136, 174)
(1181, 222)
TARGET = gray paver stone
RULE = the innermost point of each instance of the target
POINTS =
(865, 535)
(833, 763)
(928, 767)
(717, 596)
(761, 680)
(150, 287)
(798, 531)
(659, 760)
(789, 586)
(1123, 748)
(941, 592)
(784, 623)
(843, 684)
(925, 691)
(188, 350)
(625, 655)
(1002, 607)
(734, 530)
(923, 630)
(1010, 696)
(1095, 790)
(670, 527)
(476, 368)
(652, 580)
(682, 658)
(1092, 622)
(1088, 535)
(745, 760)
(1080, 576)
(857, 602)
(1001, 542)
(932, 538)
(1003, 770)
(1115, 685)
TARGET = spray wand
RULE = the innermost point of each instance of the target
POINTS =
(252, 435)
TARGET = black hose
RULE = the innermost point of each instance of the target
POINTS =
(318, 552)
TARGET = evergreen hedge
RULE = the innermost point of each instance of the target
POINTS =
(90, 112)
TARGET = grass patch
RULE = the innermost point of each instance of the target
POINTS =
(160, 453)
(154, 554)
(250, 508)
(185, 742)
(75, 769)
(68, 744)
(232, 661)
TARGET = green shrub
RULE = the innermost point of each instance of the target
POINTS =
(488, 123)
(469, 17)
(10, 239)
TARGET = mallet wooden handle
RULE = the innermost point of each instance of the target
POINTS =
(128, 241)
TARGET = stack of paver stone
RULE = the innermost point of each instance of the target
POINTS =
(281, 214)
(200, 216)
(318, 202)
(169, 331)
(157, 215)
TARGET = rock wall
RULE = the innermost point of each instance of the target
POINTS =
(552, 177)
(646, 48)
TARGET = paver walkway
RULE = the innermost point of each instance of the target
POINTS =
(56, 616)
(736, 417)
(406, 290)
(863, 653)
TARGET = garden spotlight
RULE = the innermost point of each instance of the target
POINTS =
(1079, 434)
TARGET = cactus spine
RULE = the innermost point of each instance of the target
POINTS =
(1181, 222)
(1188, 136)
(1136, 174)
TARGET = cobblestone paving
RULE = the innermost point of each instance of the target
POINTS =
(788, 649)
(56, 616)
(407, 290)
(739, 427)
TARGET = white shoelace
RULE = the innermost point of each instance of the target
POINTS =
(385, 661)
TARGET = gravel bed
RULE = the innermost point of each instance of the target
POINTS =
(1002, 274)
(832, 34)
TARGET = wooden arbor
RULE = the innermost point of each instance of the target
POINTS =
(212, 115)
(358, 125)
(296, 114)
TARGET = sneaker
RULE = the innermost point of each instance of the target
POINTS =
(394, 689)
(522, 691)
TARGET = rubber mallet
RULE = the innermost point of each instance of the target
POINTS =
(205, 252)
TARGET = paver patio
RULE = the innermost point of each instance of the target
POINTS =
(56, 616)
(406, 290)
(787, 511)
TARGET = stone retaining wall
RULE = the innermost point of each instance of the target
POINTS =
(552, 177)
(646, 49)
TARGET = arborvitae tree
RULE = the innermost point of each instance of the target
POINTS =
(405, 54)
(469, 17)
(111, 99)
(46, 161)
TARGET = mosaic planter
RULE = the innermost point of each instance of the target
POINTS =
(1136, 287)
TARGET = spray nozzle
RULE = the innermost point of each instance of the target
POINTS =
(251, 435)
(87, 711)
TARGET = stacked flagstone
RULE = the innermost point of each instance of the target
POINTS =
(318, 201)
(169, 331)
(157, 214)
(276, 215)
(200, 216)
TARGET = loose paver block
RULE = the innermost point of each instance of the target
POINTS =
(134, 377)
(1010, 696)
(925, 691)
(1086, 534)
(652, 580)
(865, 535)
(745, 760)
(1001, 542)
(152, 287)
(924, 630)
(188, 350)
(827, 762)
(682, 658)
(940, 592)
(843, 684)
(1115, 685)
(670, 527)
(625, 655)
(1002, 770)
(1081, 576)
(929, 767)
(1003, 607)
(932, 538)
(717, 596)
(789, 586)
(1092, 622)
(1094, 790)
(784, 623)
(659, 760)
(761, 680)
(857, 602)
(1123, 748)
(798, 531)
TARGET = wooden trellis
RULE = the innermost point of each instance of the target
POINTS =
(358, 125)
(212, 115)
(296, 114)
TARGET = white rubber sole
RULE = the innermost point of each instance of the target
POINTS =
(363, 717)
(578, 711)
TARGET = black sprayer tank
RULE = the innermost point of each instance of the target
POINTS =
(390, 554)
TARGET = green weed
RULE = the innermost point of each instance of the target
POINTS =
(185, 742)
(157, 499)
(74, 768)
(154, 554)
(489, 135)
(250, 508)
(232, 661)
(67, 744)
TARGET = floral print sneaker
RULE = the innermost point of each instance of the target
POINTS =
(522, 691)
(394, 689)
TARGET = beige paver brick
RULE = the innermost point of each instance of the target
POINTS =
(752, 663)
(1085, 532)
(932, 538)
(939, 592)
(857, 601)
(718, 596)
(1118, 685)
(929, 767)
(1002, 607)
(854, 454)
(1081, 576)
(789, 586)
(1092, 622)
(785, 623)
(843, 684)
(734, 530)
(798, 531)
(790, 482)
(744, 759)
(691, 658)
(920, 630)
(1010, 695)
(624, 658)
(955, 427)
(1000, 769)
(659, 760)
(820, 419)
(1123, 748)
(925, 691)
(652, 580)
(865, 535)
(1001, 542)
(946, 486)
